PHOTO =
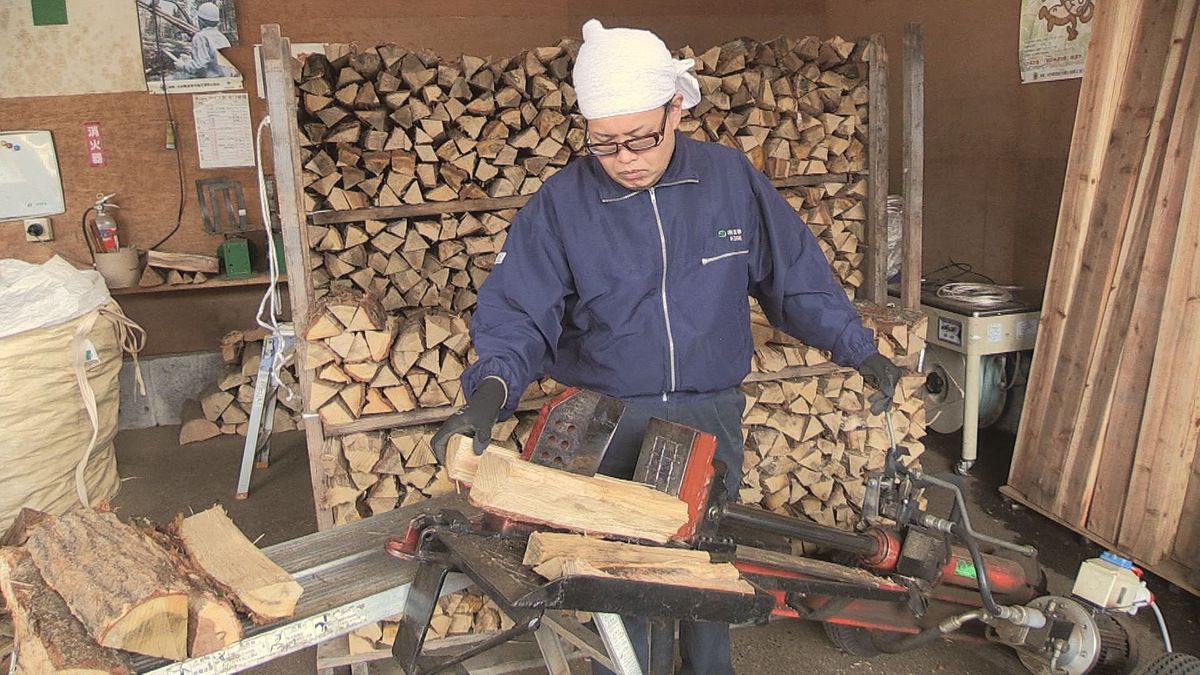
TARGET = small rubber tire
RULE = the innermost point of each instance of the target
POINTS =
(1174, 663)
(853, 640)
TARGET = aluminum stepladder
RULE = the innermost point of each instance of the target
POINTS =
(257, 450)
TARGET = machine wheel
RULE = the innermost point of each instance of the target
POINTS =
(853, 640)
(1174, 663)
(963, 467)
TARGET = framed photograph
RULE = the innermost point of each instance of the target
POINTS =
(182, 42)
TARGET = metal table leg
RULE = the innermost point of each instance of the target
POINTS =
(971, 414)
(552, 651)
(616, 641)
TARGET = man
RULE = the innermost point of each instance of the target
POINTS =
(207, 43)
(628, 273)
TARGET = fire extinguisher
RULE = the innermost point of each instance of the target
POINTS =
(104, 226)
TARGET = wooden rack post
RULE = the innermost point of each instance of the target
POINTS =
(285, 152)
(914, 164)
(875, 267)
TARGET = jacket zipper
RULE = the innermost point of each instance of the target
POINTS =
(705, 261)
(662, 239)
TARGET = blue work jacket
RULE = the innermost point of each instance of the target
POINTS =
(644, 292)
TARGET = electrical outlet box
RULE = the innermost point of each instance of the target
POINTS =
(1110, 586)
(38, 229)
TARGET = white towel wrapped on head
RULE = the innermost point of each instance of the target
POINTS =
(626, 70)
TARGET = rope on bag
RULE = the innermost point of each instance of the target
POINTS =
(132, 339)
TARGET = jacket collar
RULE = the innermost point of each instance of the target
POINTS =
(680, 170)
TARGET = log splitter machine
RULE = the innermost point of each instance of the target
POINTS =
(907, 577)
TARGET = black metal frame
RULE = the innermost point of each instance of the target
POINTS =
(449, 542)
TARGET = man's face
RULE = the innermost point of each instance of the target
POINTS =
(637, 170)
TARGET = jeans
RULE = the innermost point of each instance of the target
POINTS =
(705, 645)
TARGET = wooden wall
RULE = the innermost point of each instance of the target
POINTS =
(995, 149)
(142, 171)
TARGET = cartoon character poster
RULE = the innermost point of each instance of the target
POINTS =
(1054, 38)
(182, 42)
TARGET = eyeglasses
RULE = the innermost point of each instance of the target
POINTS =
(636, 144)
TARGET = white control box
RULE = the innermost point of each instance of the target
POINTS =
(1110, 586)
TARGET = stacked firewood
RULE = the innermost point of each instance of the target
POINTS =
(467, 612)
(794, 106)
(811, 440)
(368, 362)
(224, 406)
(177, 268)
(899, 335)
(836, 214)
(369, 473)
(419, 262)
(386, 126)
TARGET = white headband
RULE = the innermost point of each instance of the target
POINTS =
(626, 70)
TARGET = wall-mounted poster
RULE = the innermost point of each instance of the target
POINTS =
(1054, 38)
(182, 42)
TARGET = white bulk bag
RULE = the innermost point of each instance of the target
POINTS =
(61, 344)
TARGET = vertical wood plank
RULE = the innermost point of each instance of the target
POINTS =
(914, 164)
(285, 147)
(1187, 539)
(1131, 333)
(875, 261)
(1144, 254)
(1112, 123)
(1171, 422)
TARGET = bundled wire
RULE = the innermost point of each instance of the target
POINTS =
(978, 295)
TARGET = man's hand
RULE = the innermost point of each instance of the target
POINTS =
(475, 419)
(882, 374)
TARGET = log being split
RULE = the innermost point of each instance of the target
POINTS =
(49, 637)
(555, 555)
(216, 546)
(505, 484)
(143, 609)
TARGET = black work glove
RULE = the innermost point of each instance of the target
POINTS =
(475, 419)
(882, 374)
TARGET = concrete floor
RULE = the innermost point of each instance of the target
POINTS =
(162, 479)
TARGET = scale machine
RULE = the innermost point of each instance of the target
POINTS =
(972, 359)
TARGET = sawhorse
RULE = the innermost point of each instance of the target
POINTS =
(256, 453)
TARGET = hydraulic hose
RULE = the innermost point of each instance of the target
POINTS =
(962, 529)
(930, 634)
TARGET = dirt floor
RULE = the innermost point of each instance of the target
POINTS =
(162, 479)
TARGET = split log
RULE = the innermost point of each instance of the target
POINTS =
(212, 622)
(218, 547)
(183, 262)
(49, 637)
(195, 426)
(144, 609)
(507, 485)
